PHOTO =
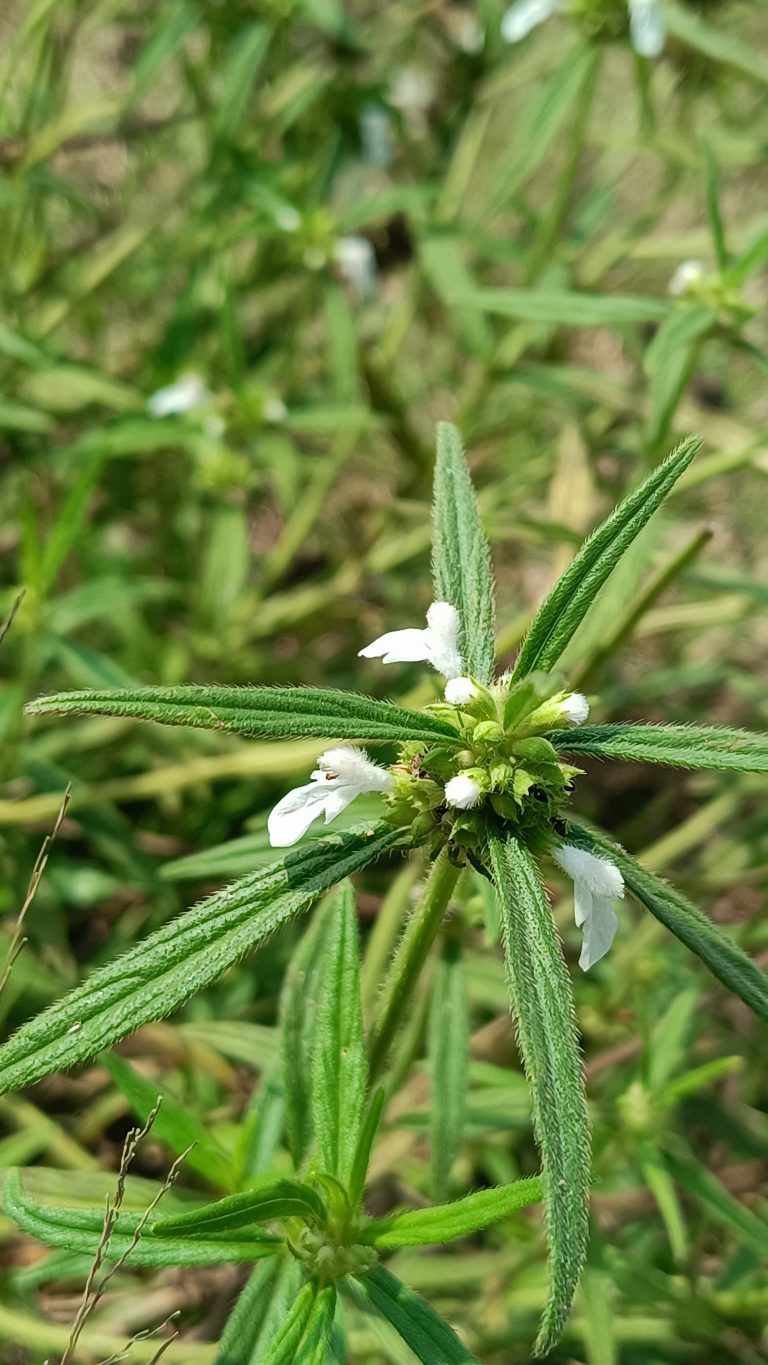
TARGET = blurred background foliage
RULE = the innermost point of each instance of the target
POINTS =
(334, 224)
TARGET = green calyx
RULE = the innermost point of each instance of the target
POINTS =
(329, 1247)
(521, 783)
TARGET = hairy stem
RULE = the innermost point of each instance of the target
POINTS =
(410, 957)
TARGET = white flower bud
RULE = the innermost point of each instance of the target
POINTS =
(460, 691)
(575, 708)
(463, 792)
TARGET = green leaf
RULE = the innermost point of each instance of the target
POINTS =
(173, 1123)
(429, 1336)
(669, 361)
(260, 1308)
(679, 746)
(460, 557)
(719, 43)
(158, 975)
(317, 1335)
(566, 308)
(272, 1197)
(449, 1058)
(542, 1002)
(713, 209)
(444, 1222)
(284, 712)
(723, 957)
(339, 1066)
(719, 1203)
(282, 1349)
(299, 1000)
(566, 605)
(80, 1229)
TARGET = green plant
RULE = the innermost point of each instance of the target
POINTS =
(480, 777)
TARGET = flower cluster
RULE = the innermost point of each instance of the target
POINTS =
(506, 774)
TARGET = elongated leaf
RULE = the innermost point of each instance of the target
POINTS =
(173, 1124)
(720, 42)
(444, 1222)
(679, 746)
(281, 1350)
(261, 1308)
(429, 1336)
(339, 1066)
(317, 1335)
(565, 308)
(80, 1230)
(723, 957)
(285, 712)
(718, 1202)
(565, 607)
(460, 557)
(542, 1002)
(449, 1057)
(159, 974)
(299, 1000)
(270, 1198)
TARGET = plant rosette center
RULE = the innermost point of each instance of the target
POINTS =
(329, 1259)
(507, 774)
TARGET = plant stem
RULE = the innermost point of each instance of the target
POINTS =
(410, 957)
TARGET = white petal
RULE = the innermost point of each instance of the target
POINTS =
(292, 817)
(575, 708)
(646, 27)
(598, 875)
(460, 691)
(463, 792)
(356, 260)
(354, 769)
(398, 647)
(187, 393)
(686, 274)
(524, 16)
(443, 629)
(599, 931)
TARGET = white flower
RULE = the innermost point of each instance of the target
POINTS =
(646, 27)
(188, 392)
(463, 792)
(376, 136)
(438, 644)
(356, 260)
(460, 691)
(575, 708)
(340, 776)
(597, 883)
(526, 15)
(687, 273)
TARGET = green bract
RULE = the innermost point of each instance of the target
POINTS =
(482, 776)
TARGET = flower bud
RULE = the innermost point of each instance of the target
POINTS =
(460, 691)
(463, 792)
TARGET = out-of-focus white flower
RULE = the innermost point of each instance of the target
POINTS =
(287, 218)
(275, 409)
(526, 15)
(356, 261)
(188, 392)
(341, 775)
(412, 90)
(463, 792)
(376, 135)
(646, 27)
(597, 883)
(575, 708)
(469, 33)
(687, 273)
(460, 691)
(438, 644)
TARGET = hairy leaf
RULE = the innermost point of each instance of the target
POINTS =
(680, 746)
(429, 1336)
(542, 1002)
(339, 1066)
(444, 1222)
(260, 1309)
(723, 957)
(281, 1350)
(81, 1230)
(158, 975)
(284, 712)
(271, 1198)
(460, 556)
(565, 607)
(317, 1334)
